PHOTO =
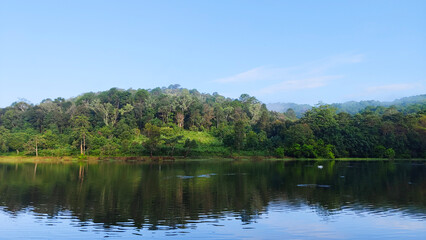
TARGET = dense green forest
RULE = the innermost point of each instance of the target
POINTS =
(179, 122)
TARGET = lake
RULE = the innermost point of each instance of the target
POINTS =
(214, 199)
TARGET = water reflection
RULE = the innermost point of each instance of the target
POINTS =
(182, 196)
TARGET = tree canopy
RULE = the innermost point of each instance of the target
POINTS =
(178, 121)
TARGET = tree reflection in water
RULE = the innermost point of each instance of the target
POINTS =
(175, 195)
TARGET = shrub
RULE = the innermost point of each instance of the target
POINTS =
(279, 152)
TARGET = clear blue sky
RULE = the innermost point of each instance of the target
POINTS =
(286, 51)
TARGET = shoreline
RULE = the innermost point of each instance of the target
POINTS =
(161, 159)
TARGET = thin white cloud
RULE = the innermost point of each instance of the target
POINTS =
(325, 64)
(314, 69)
(297, 84)
(273, 80)
(248, 76)
(258, 74)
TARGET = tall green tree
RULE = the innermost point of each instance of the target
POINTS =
(239, 131)
(81, 127)
(154, 137)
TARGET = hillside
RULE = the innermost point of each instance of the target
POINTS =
(175, 121)
(406, 105)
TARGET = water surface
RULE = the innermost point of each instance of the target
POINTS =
(214, 200)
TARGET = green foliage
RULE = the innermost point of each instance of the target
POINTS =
(295, 150)
(298, 133)
(4, 137)
(380, 151)
(390, 153)
(279, 152)
(111, 148)
(323, 150)
(252, 140)
(17, 141)
(153, 133)
(168, 121)
(308, 151)
(171, 137)
(189, 146)
(239, 135)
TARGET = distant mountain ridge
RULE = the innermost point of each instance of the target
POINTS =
(352, 107)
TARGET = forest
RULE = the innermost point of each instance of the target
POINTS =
(174, 121)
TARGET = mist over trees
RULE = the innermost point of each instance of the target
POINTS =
(176, 121)
(407, 105)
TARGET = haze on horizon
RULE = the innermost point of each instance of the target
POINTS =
(277, 51)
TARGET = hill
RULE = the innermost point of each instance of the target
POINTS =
(175, 121)
(406, 105)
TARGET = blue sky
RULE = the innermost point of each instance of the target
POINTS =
(278, 51)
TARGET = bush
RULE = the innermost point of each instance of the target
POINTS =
(390, 153)
(279, 152)
(110, 149)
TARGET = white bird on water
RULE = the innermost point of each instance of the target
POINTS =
(320, 166)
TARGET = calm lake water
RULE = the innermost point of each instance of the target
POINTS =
(214, 200)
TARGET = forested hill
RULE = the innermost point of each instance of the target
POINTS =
(179, 122)
(406, 105)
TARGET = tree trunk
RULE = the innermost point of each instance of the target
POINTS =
(84, 144)
(81, 147)
(180, 117)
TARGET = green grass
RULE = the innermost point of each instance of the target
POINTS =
(202, 138)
